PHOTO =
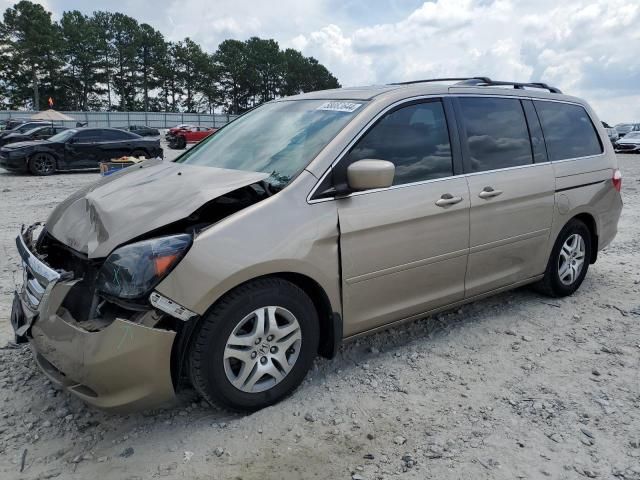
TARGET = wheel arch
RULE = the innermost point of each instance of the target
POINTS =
(331, 329)
(144, 150)
(590, 221)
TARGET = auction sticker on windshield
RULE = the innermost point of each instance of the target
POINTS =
(339, 106)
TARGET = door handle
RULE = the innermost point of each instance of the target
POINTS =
(448, 199)
(489, 192)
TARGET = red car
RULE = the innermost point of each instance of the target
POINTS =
(179, 136)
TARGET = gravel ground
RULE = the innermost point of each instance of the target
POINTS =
(515, 386)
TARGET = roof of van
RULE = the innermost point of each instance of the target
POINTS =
(429, 87)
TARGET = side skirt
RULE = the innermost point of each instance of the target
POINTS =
(441, 309)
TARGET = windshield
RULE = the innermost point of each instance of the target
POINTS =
(25, 128)
(624, 128)
(279, 138)
(33, 130)
(632, 135)
(63, 136)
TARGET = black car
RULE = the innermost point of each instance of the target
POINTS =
(143, 130)
(12, 123)
(36, 133)
(23, 127)
(76, 149)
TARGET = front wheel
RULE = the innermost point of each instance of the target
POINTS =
(255, 346)
(569, 260)
(42, 164)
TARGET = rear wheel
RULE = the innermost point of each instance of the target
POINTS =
(42, 164)
(255, 346)
(140, 153)
(569, 260)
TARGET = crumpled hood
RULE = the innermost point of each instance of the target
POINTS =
(142, 198)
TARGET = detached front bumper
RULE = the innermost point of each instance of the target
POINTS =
(124, 366)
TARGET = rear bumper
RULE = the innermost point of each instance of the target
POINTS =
(124, 366)
(609, 221)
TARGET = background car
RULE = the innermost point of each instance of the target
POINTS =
(630, 143)
(613, 134)
(23, 127)
(179, 137)
(143, 130)
(76, 149)
(12, 123)
(624, 128)
(37, 133)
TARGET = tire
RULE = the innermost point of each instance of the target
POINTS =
(233, 364)
(181, 143)
(140, 153)
(557, 280)
(42, 164)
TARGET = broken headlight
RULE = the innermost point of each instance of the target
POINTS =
(132, 271)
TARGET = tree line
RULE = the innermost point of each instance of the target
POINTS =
(109, 61)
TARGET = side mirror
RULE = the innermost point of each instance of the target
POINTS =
(370, 174)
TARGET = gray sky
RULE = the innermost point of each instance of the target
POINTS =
(586, 48)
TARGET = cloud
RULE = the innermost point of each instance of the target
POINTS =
(583, 47)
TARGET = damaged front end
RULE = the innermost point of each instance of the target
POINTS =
(112, 353)
(88, 304)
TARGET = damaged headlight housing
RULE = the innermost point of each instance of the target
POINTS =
(132, 271)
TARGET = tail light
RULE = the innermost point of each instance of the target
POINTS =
(617, 180)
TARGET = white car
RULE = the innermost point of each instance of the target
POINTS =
(630, 143)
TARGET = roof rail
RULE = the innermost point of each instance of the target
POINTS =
(453, 79)
(485, 82)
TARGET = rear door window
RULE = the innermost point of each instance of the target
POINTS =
(495, 133)
(112, 135)
(568, 130)
(414, 138)
(86, 136)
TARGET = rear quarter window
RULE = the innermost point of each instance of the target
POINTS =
(568, 130)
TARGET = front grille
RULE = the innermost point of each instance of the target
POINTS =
(623, 146)
(34, 290)
(39, 278)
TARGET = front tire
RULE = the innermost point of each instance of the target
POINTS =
(569, 260)
(255, 346)
(42, 164)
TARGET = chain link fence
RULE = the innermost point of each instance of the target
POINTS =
(122, 119)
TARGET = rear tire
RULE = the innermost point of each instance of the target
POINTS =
(569, 261)
(140, 153)
(42, 164)
(255, 346)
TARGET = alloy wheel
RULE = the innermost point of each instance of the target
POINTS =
(571, 259)
(43, 164)
(262, 349)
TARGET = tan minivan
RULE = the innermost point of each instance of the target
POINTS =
(308, 221)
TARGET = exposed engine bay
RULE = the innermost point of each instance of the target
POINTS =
(91, 309)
